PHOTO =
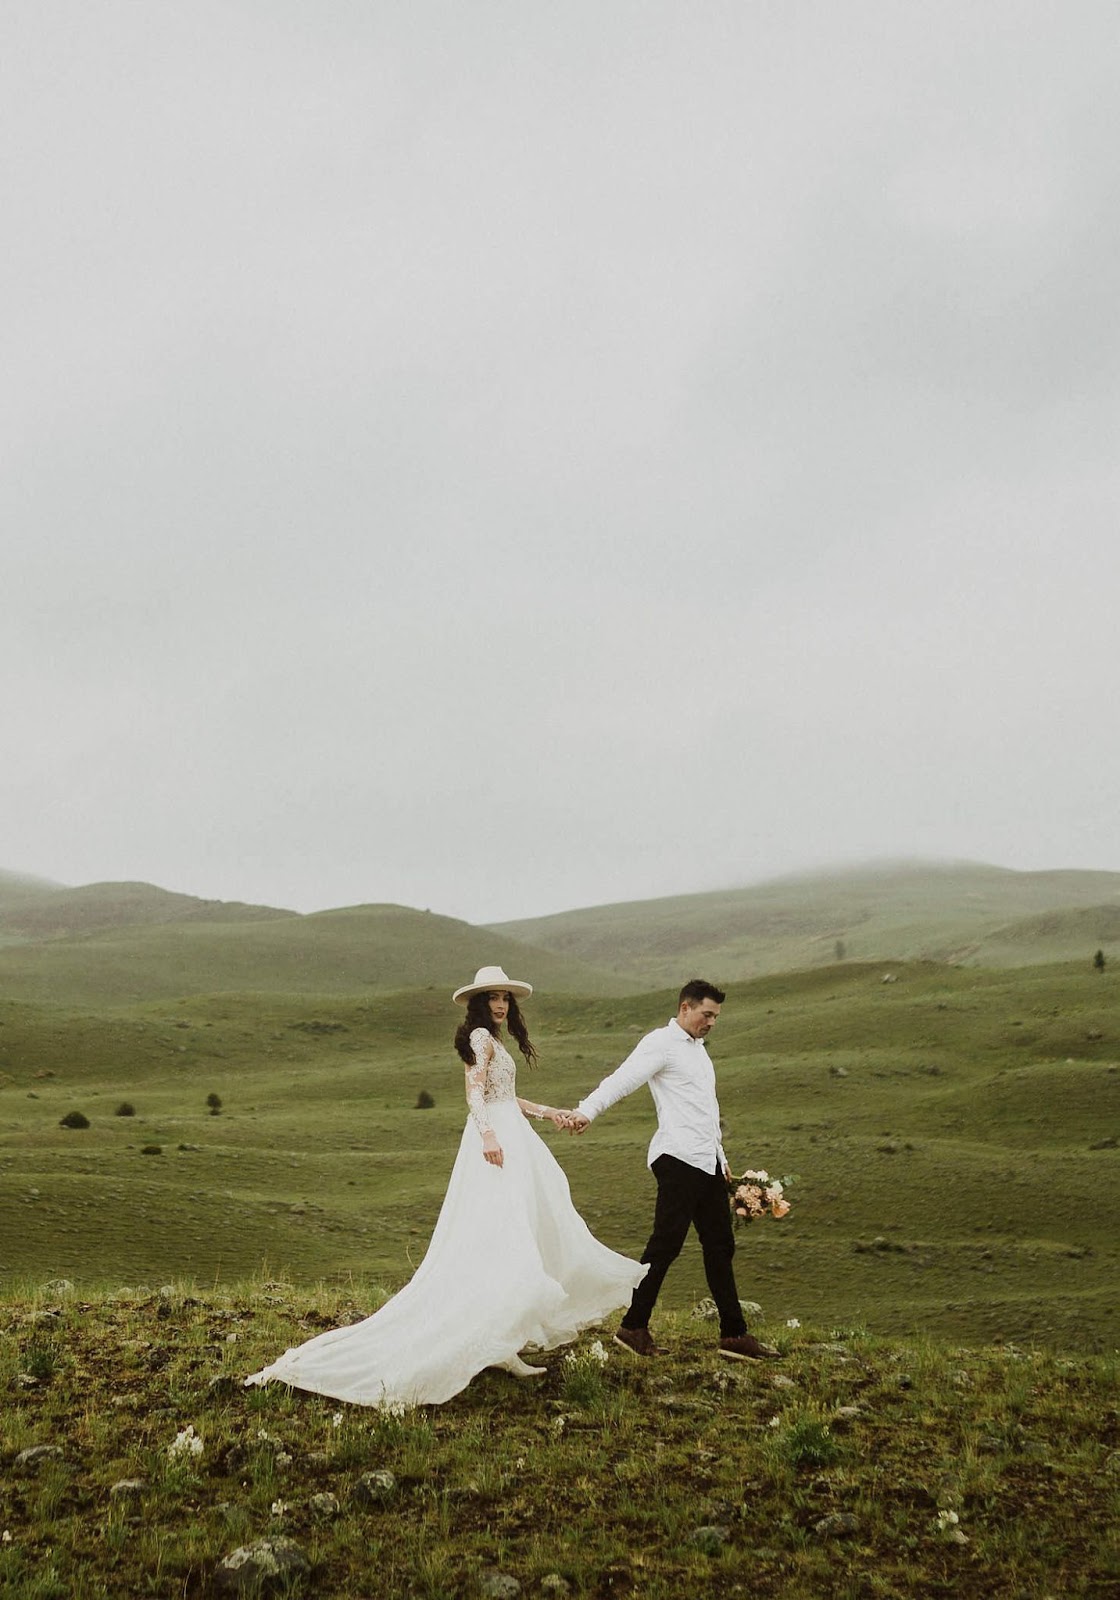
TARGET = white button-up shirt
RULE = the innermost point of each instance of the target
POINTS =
(682, 1081)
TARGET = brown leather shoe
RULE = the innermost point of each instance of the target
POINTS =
(639, 1342)
(745, 1347)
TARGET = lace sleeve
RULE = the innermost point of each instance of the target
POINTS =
(483, 1047)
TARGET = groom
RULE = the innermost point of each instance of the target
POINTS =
(687, 1160)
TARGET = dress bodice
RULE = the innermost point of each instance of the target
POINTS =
(491, 1077)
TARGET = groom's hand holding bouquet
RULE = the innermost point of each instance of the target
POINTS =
(756, 1194)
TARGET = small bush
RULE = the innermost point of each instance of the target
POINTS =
(214, 1101)
(125, 1109)
(583, 1375)
(424, 1101)
(41, 1360)
(809, 1443)
(151, 1150)
(74, 1119)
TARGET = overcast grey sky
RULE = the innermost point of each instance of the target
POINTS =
(504, 457)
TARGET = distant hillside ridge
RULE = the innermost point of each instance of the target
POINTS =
(54, 910)
(959, 912)
(17, 886)
(359, 950)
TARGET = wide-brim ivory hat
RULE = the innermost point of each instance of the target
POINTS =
(491, 978)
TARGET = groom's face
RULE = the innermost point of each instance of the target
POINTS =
(698, 1017)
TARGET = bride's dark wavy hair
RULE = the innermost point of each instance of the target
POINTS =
(478, 1016)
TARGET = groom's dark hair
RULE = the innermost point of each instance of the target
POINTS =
(696, 989)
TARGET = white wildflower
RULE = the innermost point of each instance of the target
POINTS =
(185, 1443)
(336, 1420)
(5, 1537)
(278, 1508)
(598, 1353)
(283, 1459)
(793, 1322)
(947, 1519)
(775, 1422)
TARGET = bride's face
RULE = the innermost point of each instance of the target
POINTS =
(499, 1006)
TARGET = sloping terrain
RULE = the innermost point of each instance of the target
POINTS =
(95, 907)
(960, 913)
(956, 1136)
(354, 951)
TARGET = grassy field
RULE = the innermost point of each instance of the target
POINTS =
(966, 914)
(857, 1468)
(358, 950)
(130, 942)
(954, 1132)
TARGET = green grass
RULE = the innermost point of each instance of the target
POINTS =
(607, 1483)
(963, 913)
(129, 942)
(943, 1128)
(363, 949)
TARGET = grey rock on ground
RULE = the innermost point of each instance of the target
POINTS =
(265, 1567)
(553, 1584)
(839, 1525)
(375, 1488)
(710, 1539)
(498, 1586)
(325, 1505)
(706, 1310)
(128, 1489)
(35, 1455)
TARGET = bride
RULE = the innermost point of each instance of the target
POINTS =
(511, 1264)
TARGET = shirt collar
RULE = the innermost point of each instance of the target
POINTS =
(673, 1023)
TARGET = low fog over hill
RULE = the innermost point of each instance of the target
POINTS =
(133, 939)
(958, 912)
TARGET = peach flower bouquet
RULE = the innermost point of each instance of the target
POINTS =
(757, 1194)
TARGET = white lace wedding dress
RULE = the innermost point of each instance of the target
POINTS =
(511, 1266)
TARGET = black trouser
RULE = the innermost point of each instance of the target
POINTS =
(688, 1197)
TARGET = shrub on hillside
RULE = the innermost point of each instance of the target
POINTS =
(808, 1442)
(424, 1101)
(151, 1150)
(214, 1101)
(125, 1109)
(41, 1360)
(74, 1119)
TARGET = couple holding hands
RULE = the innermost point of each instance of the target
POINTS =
(511, 1264)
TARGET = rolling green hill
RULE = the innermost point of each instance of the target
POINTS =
(956, 1134)
(22, 886)
(57, 912)
(963, 913)
(358, 950)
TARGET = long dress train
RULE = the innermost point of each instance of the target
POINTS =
(511, 1265)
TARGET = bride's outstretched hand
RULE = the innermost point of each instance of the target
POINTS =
(559, 1119)
(575, 1122)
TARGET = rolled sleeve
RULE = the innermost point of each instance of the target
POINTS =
(640, 1065)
